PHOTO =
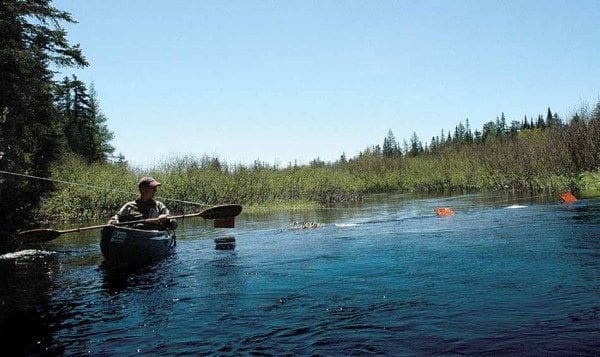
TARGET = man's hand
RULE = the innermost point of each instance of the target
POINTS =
(163, 219)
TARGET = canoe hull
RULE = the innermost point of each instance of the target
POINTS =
(131, 247)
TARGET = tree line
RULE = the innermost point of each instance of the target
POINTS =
(464, 135)
(40, 118)
(544, 158)
(532, 155)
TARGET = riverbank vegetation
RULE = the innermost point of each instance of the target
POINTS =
(544, 156)
(31, 126)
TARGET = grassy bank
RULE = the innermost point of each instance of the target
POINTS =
(545, 157)
(92, 191)
(589, 185)
(96, 191)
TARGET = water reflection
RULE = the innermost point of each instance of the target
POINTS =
(115, 280)
(26, 284)
(226, 276)
(585, 213)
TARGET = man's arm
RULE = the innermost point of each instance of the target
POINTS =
(124, 211)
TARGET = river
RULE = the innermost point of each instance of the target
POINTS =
(501, 276)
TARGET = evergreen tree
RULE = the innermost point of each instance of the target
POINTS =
(75, 108)
(540, 124)
(489, 130)
(102, 135)
(552, 120)
(556, 121)
(502, 127)
(514, 128)
(84, 125)
(459, 133)
(377, 150)
(30, 137)
(549, 117)
(468, 133)
(390, 145)
(416, 147)
(434, 143)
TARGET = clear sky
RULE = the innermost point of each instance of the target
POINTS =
(280, 81)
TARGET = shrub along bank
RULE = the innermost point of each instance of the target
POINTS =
(96, 191)
(542, 156)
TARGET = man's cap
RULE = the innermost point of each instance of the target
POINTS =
(148, 181)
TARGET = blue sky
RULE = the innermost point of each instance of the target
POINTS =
(280, 81)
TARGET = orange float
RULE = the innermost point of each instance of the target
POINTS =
(444, 211)
(568, 197)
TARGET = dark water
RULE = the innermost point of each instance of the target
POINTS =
(386, 277)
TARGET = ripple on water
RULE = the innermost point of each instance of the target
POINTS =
(403, 281)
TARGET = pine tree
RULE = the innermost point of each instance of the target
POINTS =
(30, 137)
(468, 133)
(525, 124)
(74, 105)
(83, 123)
(103, 135)
(490, 130)
(540, 122)
(434, 143)
(390, 145)
(459, 133)
(552, 120)
(502, 127)
(514, 128)
(416, 147)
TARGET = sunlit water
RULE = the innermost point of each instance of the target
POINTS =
(389, 277)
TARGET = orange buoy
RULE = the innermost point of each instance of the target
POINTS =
(568, 197)
(444, 211)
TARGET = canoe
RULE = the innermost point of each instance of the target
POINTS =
(123, 246)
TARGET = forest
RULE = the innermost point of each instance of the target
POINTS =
(57, 162)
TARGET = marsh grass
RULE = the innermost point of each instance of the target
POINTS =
(96, 191)
(589, 184)
(536, 161)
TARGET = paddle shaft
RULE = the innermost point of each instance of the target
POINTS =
(225, 213)
(147, 220)
(155, 220)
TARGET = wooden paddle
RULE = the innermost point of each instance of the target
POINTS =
(225, 212)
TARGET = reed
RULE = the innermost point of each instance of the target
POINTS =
(533, 160)
(589, 184)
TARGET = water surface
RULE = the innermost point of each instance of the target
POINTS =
(384, 277)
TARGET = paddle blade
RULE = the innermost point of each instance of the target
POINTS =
(38, 235)
(224, 211)
(227, 222)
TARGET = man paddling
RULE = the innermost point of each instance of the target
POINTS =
(145, 207)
